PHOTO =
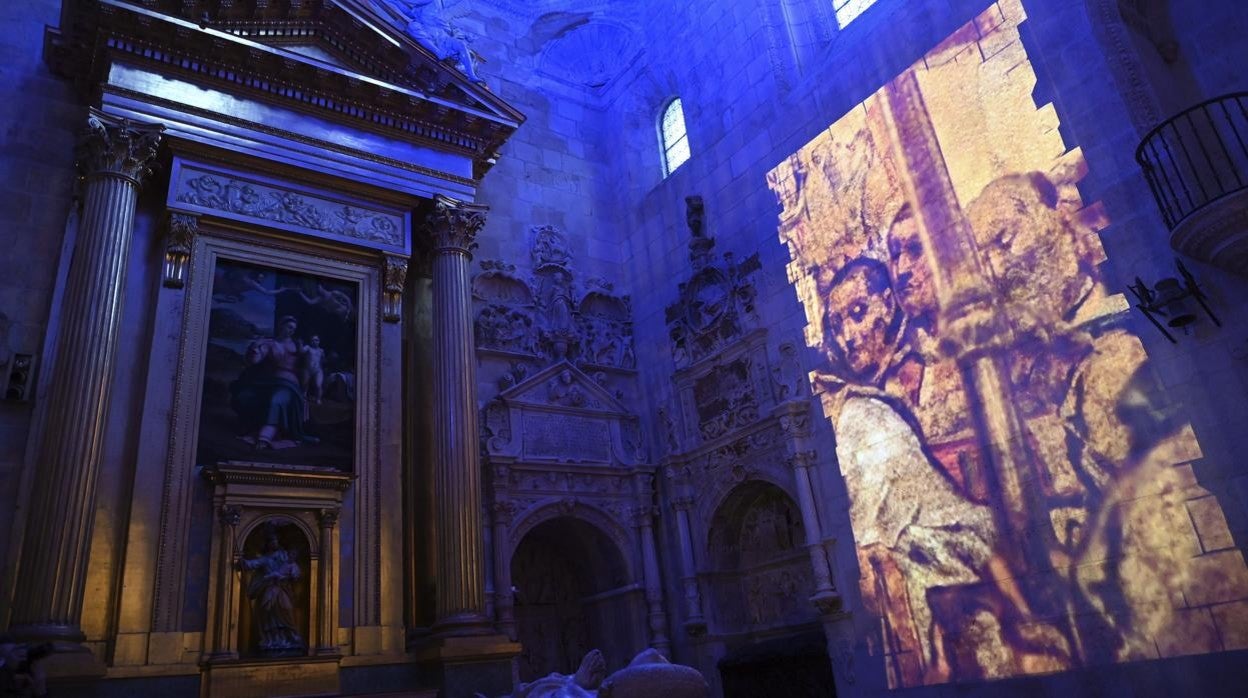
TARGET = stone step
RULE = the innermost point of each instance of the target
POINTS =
(414, 693)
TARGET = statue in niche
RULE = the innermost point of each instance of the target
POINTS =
(425, 21)
(560, 329)
(271, 589)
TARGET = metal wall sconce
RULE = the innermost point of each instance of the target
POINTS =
(1171, 300)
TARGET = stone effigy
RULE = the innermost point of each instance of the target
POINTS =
(649, 675)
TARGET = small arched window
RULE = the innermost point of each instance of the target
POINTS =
(848, 10)
(673, 136)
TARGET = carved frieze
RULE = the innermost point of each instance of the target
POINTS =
(244, 197)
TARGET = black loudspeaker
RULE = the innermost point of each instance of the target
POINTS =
(19, 386)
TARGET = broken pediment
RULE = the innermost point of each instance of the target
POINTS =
(345, 60)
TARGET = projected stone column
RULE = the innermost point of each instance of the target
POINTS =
(971, 329)
(643, 520)
(826, 598)
(696, 622)
(460, 593)
(114, 156)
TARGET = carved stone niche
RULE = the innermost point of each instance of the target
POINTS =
(730, 394)
(273, 588)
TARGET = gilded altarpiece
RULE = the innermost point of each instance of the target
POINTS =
(276, 433)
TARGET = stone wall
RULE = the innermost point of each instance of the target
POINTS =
(39, 117)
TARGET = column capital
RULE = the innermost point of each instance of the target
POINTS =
(231, 515)
(117, 146)
(801, 459)
(453, 224)
(682, 503)
(643, 515)
(329, 517)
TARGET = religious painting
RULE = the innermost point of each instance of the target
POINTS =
(280, 368)
(1021, 490)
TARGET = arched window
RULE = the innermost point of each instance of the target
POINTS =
(673, 137)
(848, 10)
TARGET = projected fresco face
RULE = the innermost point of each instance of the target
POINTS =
(1021, 491)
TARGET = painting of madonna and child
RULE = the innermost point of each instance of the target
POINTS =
(1021, 489)
(279, 374)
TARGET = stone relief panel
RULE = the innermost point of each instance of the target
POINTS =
(715, 306)
(530, 320)
(250, 198)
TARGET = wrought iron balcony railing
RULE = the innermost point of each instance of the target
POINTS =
(1195, 159)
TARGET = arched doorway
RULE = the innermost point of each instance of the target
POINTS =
(761, 582)
(573, 593)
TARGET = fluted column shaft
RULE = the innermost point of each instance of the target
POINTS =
(114, 156)
(460, 605)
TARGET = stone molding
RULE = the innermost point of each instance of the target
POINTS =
(212, 190)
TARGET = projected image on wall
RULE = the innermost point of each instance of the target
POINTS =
(1021, 490)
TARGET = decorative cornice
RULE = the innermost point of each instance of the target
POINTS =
(393, 87)
(453, 225)
(116, 146)
(316, 480)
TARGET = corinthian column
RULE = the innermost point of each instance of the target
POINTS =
(460, 604)
(114, 155)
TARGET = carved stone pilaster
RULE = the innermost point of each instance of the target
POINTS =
(114, 154)
(643, 519)
(695, 622)
(460, 605)
(504, 600)
(223, 644)
(327, 632)
(394, 278)
(179, 241)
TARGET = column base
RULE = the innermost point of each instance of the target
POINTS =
(464, 624)
(466, 666)
(70, 660)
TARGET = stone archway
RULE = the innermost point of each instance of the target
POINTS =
(573, 593)
(760, 584)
